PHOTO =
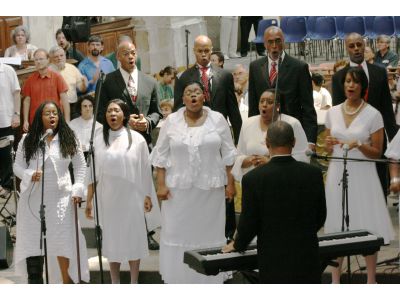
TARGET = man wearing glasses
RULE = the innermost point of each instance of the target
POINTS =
(290, 77)
(42, 85)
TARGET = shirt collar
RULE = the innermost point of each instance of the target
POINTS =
(126, 75)
(48, 74)
(270, 60)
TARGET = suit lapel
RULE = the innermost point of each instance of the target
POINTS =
(265, 71)
(216, 74)
(122, 87)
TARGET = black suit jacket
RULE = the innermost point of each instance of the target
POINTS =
(147, 102)
(294, 87)
(223, 97)
(378, 95)
(284, 205)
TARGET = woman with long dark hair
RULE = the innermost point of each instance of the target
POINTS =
(61, 148)
(125, 190)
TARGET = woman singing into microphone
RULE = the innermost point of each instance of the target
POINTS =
(357, 126)
(61, 148)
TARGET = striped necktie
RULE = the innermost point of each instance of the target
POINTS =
(272, 73)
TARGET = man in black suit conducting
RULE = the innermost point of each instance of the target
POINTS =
(292, 79)
(284, 206)
(139, 91)
(378, 93)
(218, 85)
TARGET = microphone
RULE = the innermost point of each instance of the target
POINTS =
(276, 87)
(346, 149)
(47, 133)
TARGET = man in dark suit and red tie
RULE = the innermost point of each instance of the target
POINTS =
(378, 93)
(218, 85)
(283, 205)
(139, 91)
(292, 79)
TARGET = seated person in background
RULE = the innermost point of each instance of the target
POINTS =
(74, 79)
(94, 63)
(165, 88)
(82, 126)
(284, 206)
(166, 108)
(21, 48)
(243, 108)
(217, 59)
(384, 56)
(113, 55)
(340, 64)
(369, 55)
(70, 51)
(322, 97)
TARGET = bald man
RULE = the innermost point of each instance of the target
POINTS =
(292, 79)
(218, 83)
(378, 93)
(137, 89)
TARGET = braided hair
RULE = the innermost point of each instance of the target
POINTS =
(67, 138)
(125, 109)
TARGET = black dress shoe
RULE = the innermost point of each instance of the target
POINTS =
(153, 245)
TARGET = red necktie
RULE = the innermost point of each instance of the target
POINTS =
(366, 92)
(204, 79)
(272, 73)
(131, 89)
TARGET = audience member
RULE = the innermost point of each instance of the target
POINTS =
(10, 107)
(228, 35)
(384, 56)
(74, 79)
(59, 197)
(284, 206)
(70, 51)
(42, 85)
(218, 84)
(193, 156)
(21, 48)
(294, 83)
(217, 59)
(369, 55)
(165, 85)
(82, 126)
(125, 190)
(340, 64)
(322, 97)
(95, 63)
(246, 22)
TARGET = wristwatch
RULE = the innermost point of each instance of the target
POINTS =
(17, 113)
(359, 144)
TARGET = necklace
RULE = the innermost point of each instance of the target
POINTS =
(352, 113)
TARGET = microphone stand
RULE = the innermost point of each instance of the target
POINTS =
(43, 230)
(345, 203)
(187, 32)
(91, 160)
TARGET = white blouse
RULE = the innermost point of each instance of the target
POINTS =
(194, 157)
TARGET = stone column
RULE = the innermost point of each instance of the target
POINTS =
(43, 30)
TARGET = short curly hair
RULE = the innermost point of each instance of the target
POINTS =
(17, 30)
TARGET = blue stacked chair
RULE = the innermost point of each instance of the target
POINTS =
(354, 24)
(283, 24)
(384, 25)
(397, 31)
(262, 26)
(369, 27)
(325, 30)
(296, 32)
(340, 34)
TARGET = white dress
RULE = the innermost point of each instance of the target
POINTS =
(83, 130)
(252, 142)
(195, 159)
(367, 207)
(59, 212)
(124, 179)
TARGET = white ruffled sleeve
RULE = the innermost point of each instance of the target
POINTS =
(21, 168)
(237, 170)
(393, 149)
(78, 162)
(228, 150)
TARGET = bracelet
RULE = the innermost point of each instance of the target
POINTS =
(395, 180)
